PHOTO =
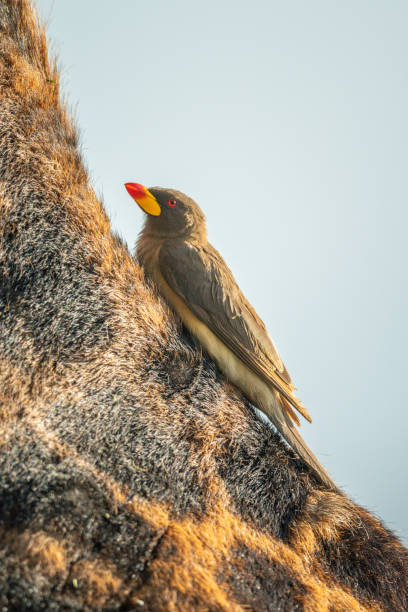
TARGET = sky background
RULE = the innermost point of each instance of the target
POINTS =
(287, 122)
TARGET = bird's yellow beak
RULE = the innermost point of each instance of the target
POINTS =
(144, 198)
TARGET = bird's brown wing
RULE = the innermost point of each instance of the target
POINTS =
(201, 278)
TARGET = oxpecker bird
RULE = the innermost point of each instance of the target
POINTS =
(197, 283)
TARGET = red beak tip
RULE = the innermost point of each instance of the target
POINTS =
(135, 189)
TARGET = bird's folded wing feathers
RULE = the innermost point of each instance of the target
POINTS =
(200, 277)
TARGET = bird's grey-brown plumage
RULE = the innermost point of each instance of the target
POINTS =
(198, 284)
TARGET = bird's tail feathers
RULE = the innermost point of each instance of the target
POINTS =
(299, 407)
(286, 393)
(288, 430)
(285, 404)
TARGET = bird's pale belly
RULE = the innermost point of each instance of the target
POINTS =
(258, 392)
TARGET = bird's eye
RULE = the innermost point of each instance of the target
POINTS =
(172, 203)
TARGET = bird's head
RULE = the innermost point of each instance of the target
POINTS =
(170, 213)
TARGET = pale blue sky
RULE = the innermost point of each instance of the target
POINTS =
(287, 122)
